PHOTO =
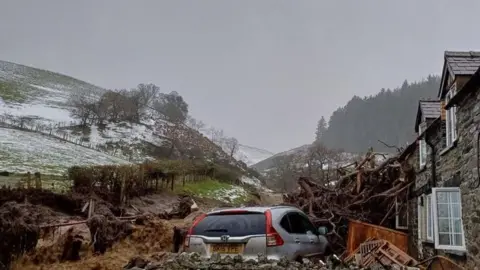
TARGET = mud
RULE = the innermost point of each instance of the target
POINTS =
(19, 230)
(107, 230)
(151, 238)
(70, 204)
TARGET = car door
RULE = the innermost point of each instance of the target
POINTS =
(299, 234)
(316, 245)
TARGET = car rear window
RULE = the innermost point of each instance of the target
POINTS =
(237, 224)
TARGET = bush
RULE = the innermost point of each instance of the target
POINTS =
(141, 179)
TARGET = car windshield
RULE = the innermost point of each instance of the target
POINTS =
(237, 224)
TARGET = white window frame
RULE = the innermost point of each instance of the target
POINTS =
(425, 222)
(397, 216)
(422, 149)
(429, 218)
(435, 219)
(451, 118)
(420, 219)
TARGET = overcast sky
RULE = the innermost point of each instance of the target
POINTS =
(264, 71)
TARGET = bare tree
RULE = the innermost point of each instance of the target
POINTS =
(284, 172)
(216, 136)
(194, 123)
(231, 145)
(82, 106)
(320, 161)
(174, 134)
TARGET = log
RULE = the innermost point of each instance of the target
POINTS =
(365, 194)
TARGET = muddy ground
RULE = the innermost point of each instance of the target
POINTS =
(29, 212)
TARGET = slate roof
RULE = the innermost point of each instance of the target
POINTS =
(430, 108)
(458, 63)
(462, 63)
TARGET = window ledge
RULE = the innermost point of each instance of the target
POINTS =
(422, 168)
(447, 149)
(456, 252)
(428, 242)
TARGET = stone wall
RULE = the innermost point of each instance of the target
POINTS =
(460, 159)
(424, 249)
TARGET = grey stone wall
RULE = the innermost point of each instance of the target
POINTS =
(424, 249)
(461, 159)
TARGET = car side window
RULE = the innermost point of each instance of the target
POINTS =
(307, 224)
(296, 223)
(285, 224)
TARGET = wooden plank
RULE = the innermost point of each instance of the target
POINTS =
(359, 232)
(443, 114)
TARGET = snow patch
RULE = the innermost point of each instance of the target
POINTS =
(22, 151)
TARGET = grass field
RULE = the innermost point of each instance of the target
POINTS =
(54, 183)
(214, 189)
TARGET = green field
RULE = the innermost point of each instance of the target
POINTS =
(54, 183)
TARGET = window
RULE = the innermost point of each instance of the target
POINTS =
(425, 221)
(423, 146)
(440, 219)
(240, 224)
(285, 224)
(447, 219)
(451, 121)
(300, 224)
(401, 217)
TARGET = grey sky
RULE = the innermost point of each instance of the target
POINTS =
(263, 70)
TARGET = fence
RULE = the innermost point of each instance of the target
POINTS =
(54, 130)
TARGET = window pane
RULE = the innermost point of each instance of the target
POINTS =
(444, 239)
(443, 225)
(442, 210)
(429, 217)
(455, 197)
(216, 225)
(285, 224)
(442, 197)
(298, 224)
(456, 210)
(458, 239)
(457, 226)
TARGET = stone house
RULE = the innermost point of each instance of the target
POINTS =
(444, 203)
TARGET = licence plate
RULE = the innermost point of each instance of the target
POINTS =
(226, 248)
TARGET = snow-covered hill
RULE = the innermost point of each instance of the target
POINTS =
(22, 151)
(251, 155)
(343, 158)
(36, 100)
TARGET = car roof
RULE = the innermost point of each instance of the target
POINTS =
(260, 209)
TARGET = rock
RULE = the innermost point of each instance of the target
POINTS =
(194, 206)
(175, 261)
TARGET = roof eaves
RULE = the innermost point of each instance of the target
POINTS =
(444, 73)
(418, 117)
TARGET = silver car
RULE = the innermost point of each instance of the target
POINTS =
(274, 231)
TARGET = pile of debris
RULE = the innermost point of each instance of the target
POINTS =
(173, 261)
(367, 193)
(19, 231)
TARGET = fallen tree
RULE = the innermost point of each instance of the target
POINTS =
(367, 192)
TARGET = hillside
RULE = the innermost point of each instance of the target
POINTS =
(252, 155)
(38, 102)
(270, 162)
(388, 116)
(358, 125)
